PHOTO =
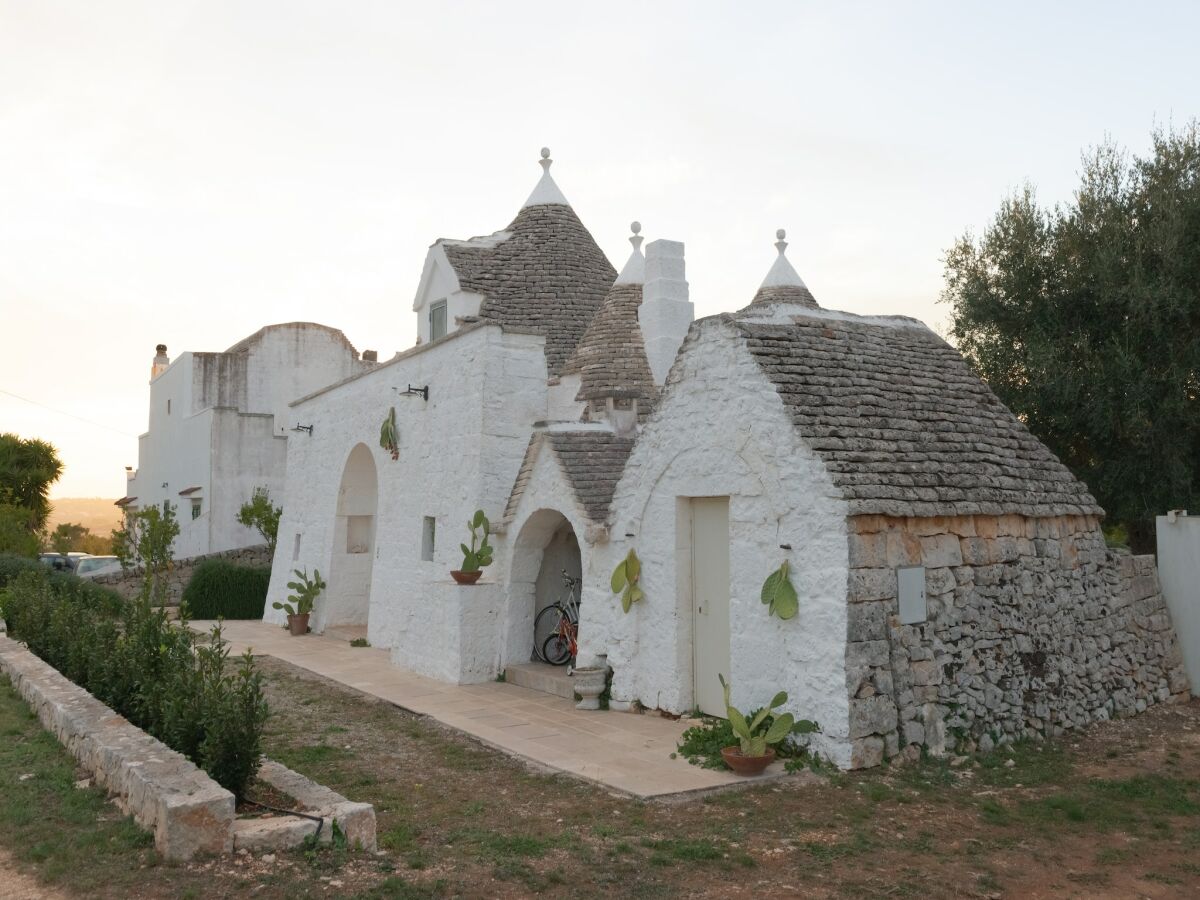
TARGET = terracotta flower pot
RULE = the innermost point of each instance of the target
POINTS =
(466, 577)
(298, 624)
(746, 765)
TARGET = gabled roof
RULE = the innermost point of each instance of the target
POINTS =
(592, 460)
(902, 423)
(544, 271)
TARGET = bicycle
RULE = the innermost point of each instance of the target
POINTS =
(556, 628)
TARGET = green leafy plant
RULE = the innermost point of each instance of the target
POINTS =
(164, 678)
(219, 589)
(262, 515)
(307, 590)
(625, 580)
(756, 734)
(389, 435)
(479, 554)
(779, 594)
(147, 539)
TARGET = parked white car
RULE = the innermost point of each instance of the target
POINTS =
(92, 566)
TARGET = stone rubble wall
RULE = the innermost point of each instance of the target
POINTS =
(187, 811)
(1034, 626)
(129, 582)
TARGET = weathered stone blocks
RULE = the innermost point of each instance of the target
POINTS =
(1033, 627)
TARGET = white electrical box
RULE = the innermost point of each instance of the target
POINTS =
(910, 582)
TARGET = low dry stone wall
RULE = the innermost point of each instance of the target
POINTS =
(187, 811)
(128, 583)
(1034, 626)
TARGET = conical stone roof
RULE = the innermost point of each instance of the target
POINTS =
(611, 358)
(544, 272)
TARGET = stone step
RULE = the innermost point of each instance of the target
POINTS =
(538, 676)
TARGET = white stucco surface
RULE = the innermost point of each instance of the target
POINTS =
(721, 430)
(1179, 574)
(218, 428)
(459, 451)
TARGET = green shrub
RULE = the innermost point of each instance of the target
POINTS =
(164, 678)
(92, 595)
(220, 589)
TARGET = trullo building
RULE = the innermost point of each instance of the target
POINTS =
(953, 581)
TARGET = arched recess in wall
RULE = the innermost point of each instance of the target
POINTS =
(546, 545)
(346, 600)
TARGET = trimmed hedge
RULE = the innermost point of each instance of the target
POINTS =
(93, 595)
(220, 589)
(164, 678)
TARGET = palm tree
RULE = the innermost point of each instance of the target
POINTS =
(28, 466)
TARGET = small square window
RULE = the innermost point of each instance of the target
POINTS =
(428, 538)
(437, 320)
(196, 503)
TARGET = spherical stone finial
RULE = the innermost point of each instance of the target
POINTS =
(636, 239)
(545, 161)
(635, 227)
(780, 234)
(780, 243)
(545, 153)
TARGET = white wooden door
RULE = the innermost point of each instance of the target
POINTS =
(710, 601)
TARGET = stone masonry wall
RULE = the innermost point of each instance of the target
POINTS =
(129, 582)
(1033, 627)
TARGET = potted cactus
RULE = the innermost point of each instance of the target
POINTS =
(306, 594)
(756, 736)
(479, 554)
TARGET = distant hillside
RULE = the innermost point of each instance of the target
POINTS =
(97, 514)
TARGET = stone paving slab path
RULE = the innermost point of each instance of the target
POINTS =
(628, 752)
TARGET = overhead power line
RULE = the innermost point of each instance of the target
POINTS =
(67, 414)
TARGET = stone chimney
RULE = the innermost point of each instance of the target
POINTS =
(161, 361)
(666, 312)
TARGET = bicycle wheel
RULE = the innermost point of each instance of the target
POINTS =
(545, 625)
(556, 650)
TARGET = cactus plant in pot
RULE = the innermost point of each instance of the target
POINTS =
(306, 594)
(754, 751)
(479, 554)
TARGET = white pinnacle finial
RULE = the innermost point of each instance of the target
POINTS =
(635, 268)
(546, 191)
(782, 273)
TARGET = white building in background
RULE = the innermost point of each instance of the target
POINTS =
(219, 426)
(953, 583)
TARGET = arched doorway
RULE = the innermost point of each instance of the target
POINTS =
(347, 596)
(545, 547)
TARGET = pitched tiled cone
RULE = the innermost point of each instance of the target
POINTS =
(548, 275)
(902, 423)
(611, 359)
(592, 461)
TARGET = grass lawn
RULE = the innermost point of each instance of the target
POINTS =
(1114, 811)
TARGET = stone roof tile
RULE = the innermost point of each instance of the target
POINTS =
(548, 275)
(903, 425)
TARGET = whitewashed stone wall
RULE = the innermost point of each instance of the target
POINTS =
(721, 430)
(459, 451)
(532, 553)
(219, 422)
(1033, 627)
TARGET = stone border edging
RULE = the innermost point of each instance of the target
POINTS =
(165, 792)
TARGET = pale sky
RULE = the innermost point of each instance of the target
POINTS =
(187, 172)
